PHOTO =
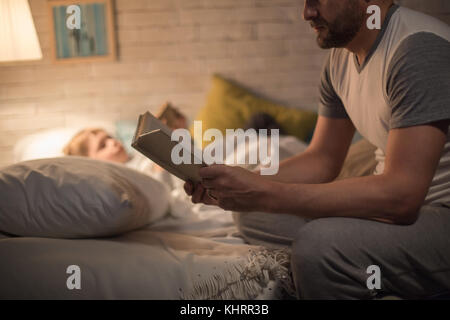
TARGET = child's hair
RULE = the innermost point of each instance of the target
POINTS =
(78, 145)
(263, 120)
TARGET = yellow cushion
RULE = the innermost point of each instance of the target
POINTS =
(230, 106)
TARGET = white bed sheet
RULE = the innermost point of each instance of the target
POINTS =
(195, 256)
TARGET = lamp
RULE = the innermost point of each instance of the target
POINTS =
(18, 38)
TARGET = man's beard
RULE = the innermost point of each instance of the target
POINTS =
(342, 30)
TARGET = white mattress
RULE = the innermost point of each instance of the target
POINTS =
(192, 256)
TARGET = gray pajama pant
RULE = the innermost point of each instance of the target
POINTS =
(330, 256)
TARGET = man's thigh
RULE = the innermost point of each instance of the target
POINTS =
(330, 257)
(268, 229)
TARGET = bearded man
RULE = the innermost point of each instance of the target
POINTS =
(393, 86)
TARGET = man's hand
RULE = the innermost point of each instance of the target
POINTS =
(199, 193)
(231, 188)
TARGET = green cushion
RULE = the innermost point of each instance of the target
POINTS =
(230, 106)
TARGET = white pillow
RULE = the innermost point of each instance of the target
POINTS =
(288, 147)
(76, 197)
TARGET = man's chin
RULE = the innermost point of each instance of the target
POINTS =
(322, 43)
(322, 39)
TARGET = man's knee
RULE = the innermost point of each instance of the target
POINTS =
(271, 230)
(326, 259)
(309, 251)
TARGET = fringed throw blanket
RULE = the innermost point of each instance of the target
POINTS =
(248, 279)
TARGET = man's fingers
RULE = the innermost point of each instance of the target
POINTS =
(198, 194)
(209, 191)
(207, 199)
(210, 194)
(189, 188)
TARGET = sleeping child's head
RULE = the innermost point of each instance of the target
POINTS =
(96, 144)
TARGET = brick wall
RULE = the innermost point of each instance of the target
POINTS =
(437, 8)
(167, 51)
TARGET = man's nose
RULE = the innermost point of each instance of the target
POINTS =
(309, 10)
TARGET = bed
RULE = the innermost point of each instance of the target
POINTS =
(144, 241)
(128, 235)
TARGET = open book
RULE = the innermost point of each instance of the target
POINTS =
(153, 140)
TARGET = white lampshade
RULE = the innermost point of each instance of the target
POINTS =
(18, 38)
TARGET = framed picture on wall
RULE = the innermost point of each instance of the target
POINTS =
(82, 30)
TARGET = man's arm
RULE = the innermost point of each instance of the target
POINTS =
(320, 163)
(323, 159)
(412, 157)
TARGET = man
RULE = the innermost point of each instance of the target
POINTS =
(393, 85)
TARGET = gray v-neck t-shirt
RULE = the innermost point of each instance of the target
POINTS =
(404, 81)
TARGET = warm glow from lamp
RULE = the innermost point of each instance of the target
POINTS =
(18, 38)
